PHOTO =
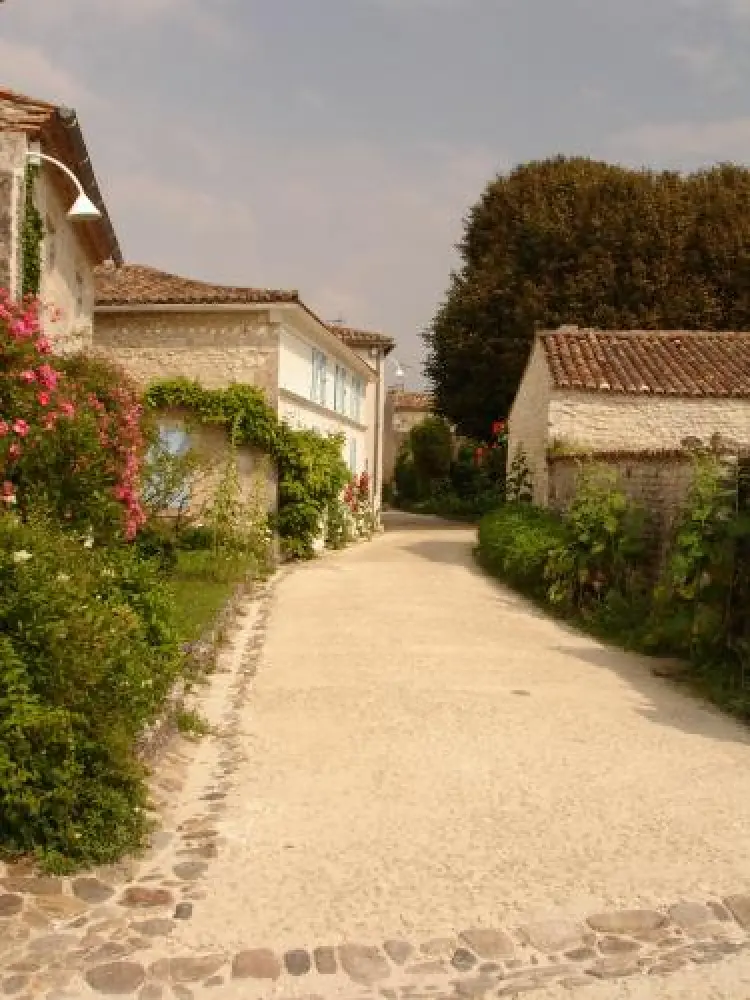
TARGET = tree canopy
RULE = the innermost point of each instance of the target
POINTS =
(576, 241)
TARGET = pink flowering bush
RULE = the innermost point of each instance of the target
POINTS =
(71, 433)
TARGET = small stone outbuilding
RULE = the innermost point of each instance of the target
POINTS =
(641, 401)
(403, 410)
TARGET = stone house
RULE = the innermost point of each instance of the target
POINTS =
(640, 401)
(70, 249)
(316, 376)
(403, 410)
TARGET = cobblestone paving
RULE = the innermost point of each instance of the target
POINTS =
(110, 932)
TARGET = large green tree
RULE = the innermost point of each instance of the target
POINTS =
(575, 241)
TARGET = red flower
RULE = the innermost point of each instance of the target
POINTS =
(14, 451)
(498, 427)
(28, 377)
(20, 427)
(44, 398)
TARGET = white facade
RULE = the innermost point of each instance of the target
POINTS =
(324, 386)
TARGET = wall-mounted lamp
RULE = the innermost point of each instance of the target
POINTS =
(83, 209)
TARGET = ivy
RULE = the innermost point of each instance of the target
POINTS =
(310, 467)
(32, 235)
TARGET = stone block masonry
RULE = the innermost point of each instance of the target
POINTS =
(215, 348)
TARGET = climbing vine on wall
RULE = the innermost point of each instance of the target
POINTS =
(312, 471)
(32, 234)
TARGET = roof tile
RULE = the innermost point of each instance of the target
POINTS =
(136, 284)
(669, 363)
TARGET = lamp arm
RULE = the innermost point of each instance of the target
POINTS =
(57, 163)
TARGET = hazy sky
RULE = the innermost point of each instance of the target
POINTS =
(334, 146)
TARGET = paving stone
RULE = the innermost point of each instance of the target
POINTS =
(59, 907)
(720, 912)
(612, 945)
(190, 870)
(434, 968)
(574, 983)
(363, 963)
(297, 962)
(10, 904)
(690, 915)
(14, 984)
(463, 960)
(183, 911)
(439, 947)
(553, 935)
(257, 963)
(24, 965)
(488, 968)
(627, 921)
(613, 968)
(116, 978)
(158, 927)
(92, 890)
(161, 839)
(207, 851)
(584, 954)
(151, 991)
(182, 993)
(477, 986)
(739, 906)
(526, 985)
(139, 897)
(399, 952)
(325, 961)
(213, 981)
(52, 944)
(489, 943)
(106, 953)
(159, 969)
(667, 966)
(34, 885)
(192, 968)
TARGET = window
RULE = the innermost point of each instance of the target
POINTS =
(353, 456)
(338, 389)
(355, 409)
(176, 442)
(344, 392)
(319, 377)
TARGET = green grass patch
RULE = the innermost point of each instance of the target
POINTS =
(202, 583)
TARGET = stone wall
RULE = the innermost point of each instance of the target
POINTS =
(12, 165)
(611, 422)
(7, 188)
(528, 422)
(214, 347)
(659, 482)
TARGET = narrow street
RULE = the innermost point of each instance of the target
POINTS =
(418, 786)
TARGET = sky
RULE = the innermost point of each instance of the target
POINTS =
(335, 146)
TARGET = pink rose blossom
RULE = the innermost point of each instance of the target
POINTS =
(67, 409)
(20, 427)
(47, 376)
(44, 398)
(14, 451)
(28, 377)
(4, 428)
(43, 346)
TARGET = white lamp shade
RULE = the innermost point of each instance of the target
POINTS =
(83, 208)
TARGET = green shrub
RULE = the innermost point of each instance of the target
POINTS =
(87, 655)
(604, 545)
(195, 538)
(515, 542)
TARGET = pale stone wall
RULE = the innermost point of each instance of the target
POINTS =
(607, 422)
(214, 348)
(528, 421)
(67, 284)
(257, 472)
(12, 166)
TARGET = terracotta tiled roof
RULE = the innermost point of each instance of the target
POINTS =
(57, 131)
(411, 400)
(19, 113)
(135, 284)
(641, 362)
(361, 338)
